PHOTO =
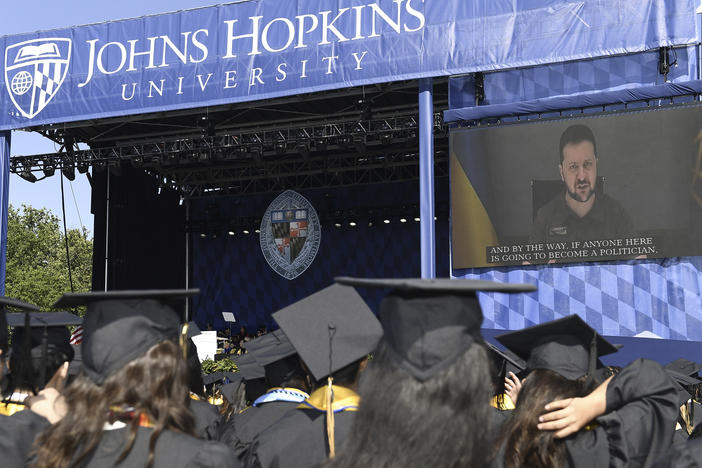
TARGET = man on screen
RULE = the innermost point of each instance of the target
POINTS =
(580, 212)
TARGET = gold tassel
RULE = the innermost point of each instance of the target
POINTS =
(184, 340)
(330, 417)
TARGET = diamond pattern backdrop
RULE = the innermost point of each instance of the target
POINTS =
(618, 299)
(234, 276)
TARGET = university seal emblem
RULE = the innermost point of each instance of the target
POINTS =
(34, 72)
(290, 234)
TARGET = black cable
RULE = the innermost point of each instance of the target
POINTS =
(65, 235)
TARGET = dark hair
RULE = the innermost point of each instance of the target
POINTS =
(347, 376)
(286, 372)
(406, 422)
(28, 364)
(576, 134)
(524, 444)
(153, 384)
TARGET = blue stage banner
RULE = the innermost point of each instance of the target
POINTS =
(268, 48)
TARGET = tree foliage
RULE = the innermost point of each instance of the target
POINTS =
(37, 270)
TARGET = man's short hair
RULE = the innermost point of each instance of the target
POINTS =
(576, 134)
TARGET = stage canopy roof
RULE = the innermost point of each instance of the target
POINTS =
(263, 49)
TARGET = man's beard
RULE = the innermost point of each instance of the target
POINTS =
(578, 198)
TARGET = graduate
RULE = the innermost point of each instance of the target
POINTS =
(288, 386)
(565, 417)
(332, 331)
(130, 404)
(40, 357)
(426, 394)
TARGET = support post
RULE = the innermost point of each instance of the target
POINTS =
(107, 228)
(426, 178)
(4, 201)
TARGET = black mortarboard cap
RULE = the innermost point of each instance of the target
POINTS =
(5, 303)
(336, 314)
(44, 319)
(505, 360)
(685, 367)
(120, 326)
(568, 346)
(429, 323)
(686, 374)
(248, 367)
(214, 377)
(272, 347)
(684, 384)
(279, 359)
(51, 325)
(193, 330)
(229, 390)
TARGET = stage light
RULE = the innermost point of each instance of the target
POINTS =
(27, 174)
(345, 140)
(320, 144)
(137, 161)
(83, 167)
(417, 219)
(352, 224)
(370, 223)
(48, 168)
(403, 220)
(203, 235)
(303, 147)
(231, 233)
(386, 221)
(337, 225)
(257, 231)
(69, 171)
(180, 201)
(280, 146)
(246, 231)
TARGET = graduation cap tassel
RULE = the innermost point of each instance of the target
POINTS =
(44, 355)
(330, 398)
(183, 339)
(27, 374)
(592, 363)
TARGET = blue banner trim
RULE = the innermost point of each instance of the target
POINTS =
(557, 103)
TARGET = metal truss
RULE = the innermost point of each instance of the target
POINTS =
(261, 159)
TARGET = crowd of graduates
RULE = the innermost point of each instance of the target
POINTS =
(335, 386)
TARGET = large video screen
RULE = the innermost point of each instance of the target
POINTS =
(613, 186)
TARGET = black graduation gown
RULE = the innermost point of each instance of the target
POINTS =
(298, 440)
(240, 431)
(497, 419)
(207, 419)
(637, 428)
(173, 450)
(682, 455)
(17, 433)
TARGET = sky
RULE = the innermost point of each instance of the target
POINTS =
(36, 15)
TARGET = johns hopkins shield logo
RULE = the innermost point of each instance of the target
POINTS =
(34, 72)
(290, 234)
